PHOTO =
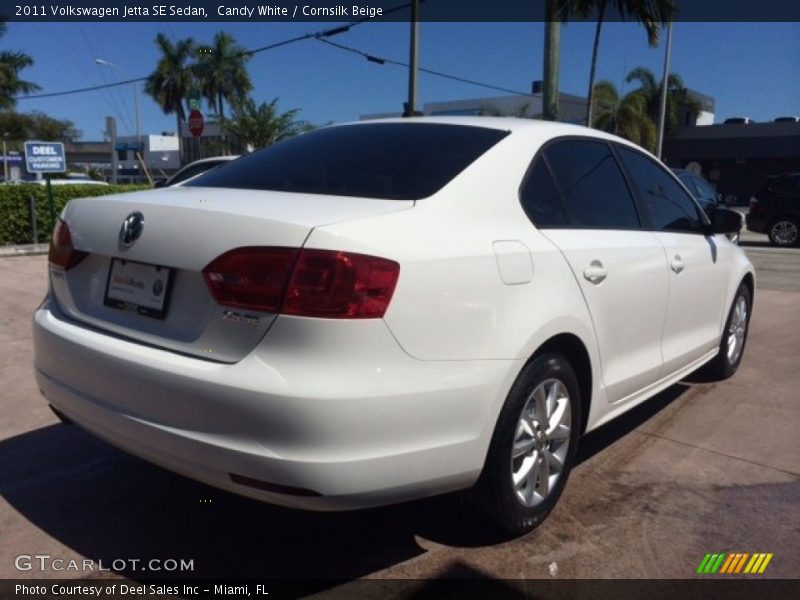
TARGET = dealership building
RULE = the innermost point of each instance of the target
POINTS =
(736, 158)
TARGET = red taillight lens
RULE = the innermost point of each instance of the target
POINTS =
(340, 285)
(62, 254)
(252, 278)
(309, 283)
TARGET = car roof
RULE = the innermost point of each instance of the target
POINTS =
(537, 127)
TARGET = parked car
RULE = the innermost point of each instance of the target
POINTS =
(705, 194)
(70, 179)
(386, 310)
(787, 120)
(775, 210)
(193, 169)
(738, 121)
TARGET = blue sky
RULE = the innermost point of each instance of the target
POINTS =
(750, 68)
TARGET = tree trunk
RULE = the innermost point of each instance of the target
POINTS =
(592, 72)
(222, 123)
(552, 43)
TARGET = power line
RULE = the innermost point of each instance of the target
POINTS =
(319, 35)
(388, 61)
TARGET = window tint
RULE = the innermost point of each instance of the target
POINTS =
(593, 187)
(540, 198)
(403, 161)
(667, 204)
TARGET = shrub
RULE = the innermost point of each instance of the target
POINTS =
(15, 213)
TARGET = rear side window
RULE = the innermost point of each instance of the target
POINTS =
(540, 198)
(593, 188)
(399, 161)
(669, 207)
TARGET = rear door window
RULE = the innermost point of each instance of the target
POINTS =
(401, 161)
(592, 185)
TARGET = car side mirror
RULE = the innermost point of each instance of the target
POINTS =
(724, 220)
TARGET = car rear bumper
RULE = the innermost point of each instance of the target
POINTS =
(756, 223)
(323, 415)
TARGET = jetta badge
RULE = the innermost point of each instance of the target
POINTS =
(131, 229)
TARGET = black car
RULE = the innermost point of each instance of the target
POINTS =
(775, 210)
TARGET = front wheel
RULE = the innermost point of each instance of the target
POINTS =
(533, 446)
(734, 337)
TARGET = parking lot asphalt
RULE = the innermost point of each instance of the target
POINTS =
(702, 467)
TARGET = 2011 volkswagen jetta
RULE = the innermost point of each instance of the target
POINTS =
(381, 311)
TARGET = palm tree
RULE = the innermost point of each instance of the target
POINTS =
(554, 12)
(635, 115)
(11, 63)
(626, 117)
(262, 125)
(173, 77)
(223, 75)
(679, 102)
(652, 14)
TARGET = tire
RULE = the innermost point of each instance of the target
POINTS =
(548, 382)
(734, 336)
(784, 231)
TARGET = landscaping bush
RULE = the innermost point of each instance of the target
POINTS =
(15, 213)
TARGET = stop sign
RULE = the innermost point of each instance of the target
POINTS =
(196, 123)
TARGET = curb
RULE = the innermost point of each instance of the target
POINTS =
(24, 250)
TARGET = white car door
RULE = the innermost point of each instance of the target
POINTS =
(576, 195)
(698, 273)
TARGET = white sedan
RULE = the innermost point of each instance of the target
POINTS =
(380, 311)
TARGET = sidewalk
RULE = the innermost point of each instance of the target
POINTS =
(24, 250)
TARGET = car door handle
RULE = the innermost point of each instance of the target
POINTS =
(676, 265)
(595, 272)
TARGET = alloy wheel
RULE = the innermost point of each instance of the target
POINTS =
(737, 330)
(541, 442)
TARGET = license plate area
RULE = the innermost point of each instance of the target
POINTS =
(138, 287)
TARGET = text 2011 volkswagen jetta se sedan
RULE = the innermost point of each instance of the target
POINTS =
(381, 311)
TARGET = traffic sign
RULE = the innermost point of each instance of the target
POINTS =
(196, 123)
(45, 157)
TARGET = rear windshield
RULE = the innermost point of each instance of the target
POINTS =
(398, 161)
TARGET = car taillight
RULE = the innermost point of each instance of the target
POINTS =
(754, 206)
(340, 285)
(251, 277)
(308, 283)
(62, 254)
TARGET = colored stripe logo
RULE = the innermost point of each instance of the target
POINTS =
(734, 562)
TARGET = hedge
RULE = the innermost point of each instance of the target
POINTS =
(15, 212)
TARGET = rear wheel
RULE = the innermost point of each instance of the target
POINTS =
(533, 446)
(784, 231)
(734, 337)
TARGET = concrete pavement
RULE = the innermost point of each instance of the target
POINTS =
(703, 467)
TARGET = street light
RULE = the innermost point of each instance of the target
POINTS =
(106, 63)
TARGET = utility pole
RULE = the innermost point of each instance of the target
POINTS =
(124, 73)
(411, 104)
(552, 50)
(111, 131)
(662, 113)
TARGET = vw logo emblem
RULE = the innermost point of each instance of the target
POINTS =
(131, 229)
